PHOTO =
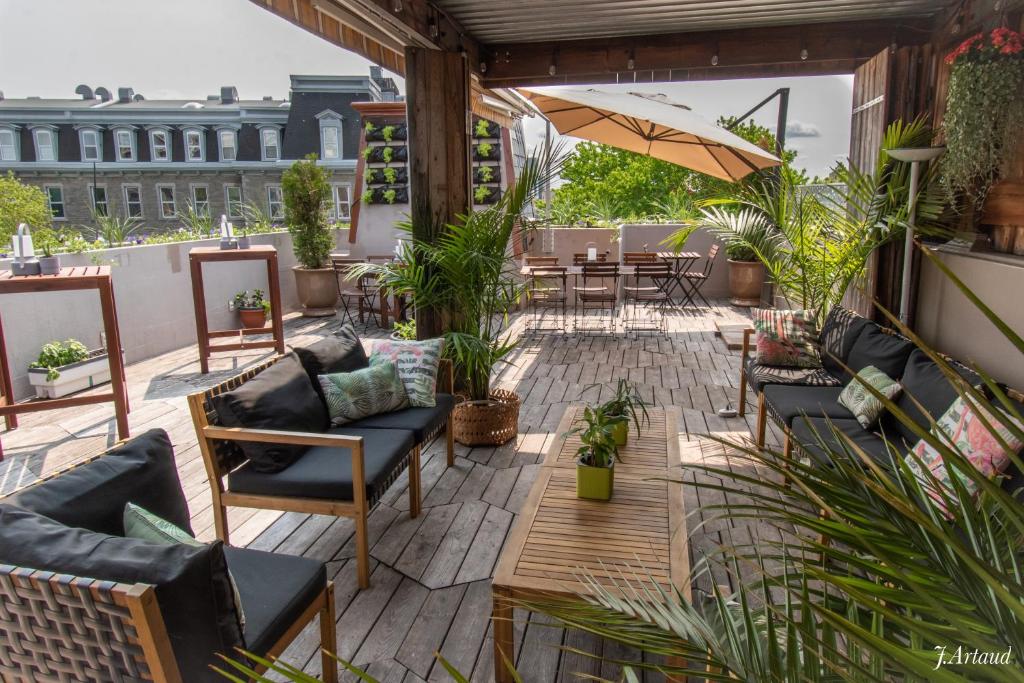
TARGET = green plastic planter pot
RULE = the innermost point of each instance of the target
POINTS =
(594, 483)
(621, 433)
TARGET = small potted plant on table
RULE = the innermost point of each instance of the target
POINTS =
(252, 308)
(48, 242)
(595, 458)
(627, 405)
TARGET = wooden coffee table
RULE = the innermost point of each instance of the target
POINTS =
(557, 535)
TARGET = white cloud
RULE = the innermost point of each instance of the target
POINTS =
(799, 129)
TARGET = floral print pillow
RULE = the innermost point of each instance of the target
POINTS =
(351, 396)
(417, 363)
(963, 430)
(786, 338)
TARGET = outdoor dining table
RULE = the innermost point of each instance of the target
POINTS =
(680, 263)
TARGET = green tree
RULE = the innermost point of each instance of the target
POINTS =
(21, 203)
(306, 190)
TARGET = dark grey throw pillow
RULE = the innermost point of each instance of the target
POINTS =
(280, 397)
(192, 585)
(93, 495)
(341, 353)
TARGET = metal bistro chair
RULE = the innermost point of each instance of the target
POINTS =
(598, 291)
(632, 258)
(580, 259)
(697, 279)
(548, 291)
(649, 290)
(348, 287)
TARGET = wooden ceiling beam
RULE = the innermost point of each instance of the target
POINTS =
(831, 48)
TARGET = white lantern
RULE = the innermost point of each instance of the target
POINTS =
(25, 261)
(591, 251)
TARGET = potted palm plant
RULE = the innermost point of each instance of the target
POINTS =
(306, 191)
(627, 405)
(252, 308)
(595, 458)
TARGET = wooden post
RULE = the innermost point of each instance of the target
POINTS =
(437, 101)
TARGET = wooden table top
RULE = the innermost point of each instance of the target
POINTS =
(67, 278)
(643, 526)
(256, 251)
(577, 269)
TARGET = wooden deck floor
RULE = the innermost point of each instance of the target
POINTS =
(431, 575)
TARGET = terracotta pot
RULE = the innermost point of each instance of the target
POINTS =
(317, 289)
(746, 278)
(253, 317)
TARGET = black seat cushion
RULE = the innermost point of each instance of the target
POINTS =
(93, 495)
(422, 421)
(341, 353)
(924, 382)
(760, 376)
(275, 589)
(326, 473)
(840, 331)
(192, 585)
(807, 432)
(787, 402)
(886, 352)
(280, 397)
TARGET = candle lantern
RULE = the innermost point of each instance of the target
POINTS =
(25, 261)
(227, 234)
(591, 251)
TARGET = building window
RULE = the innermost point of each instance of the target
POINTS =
(270, 144)
(8, 145)
(341, 201)
(160, 143)
(99, 199)
(233, 200)
(275, 202)
(46, 149)
(132, 201)
(124, 144)
(330, 142)
(194, 150)
(227, 145)
(201, 199)
(92, 150)
(168, 207)
(55, 200)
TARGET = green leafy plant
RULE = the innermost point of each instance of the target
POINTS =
(306, 190)
(198, 223)
(984, 111)
(366, 197)
(47, 241)
(367, 151)
(678, 206)
(389, 195)
(58, 354)
(390, 174)
(486, 174)
(369, 127)
(387, 132)
(114, 229)
(627, 403)
(372, 176)
(604, 211)
(405, 330)
(484, 149)
(597, 435)
(255, 219)
(482, 128)
(21, 203)
(481, 194)
(388, 154)
(250, 300)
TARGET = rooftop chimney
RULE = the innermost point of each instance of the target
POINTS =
(85, 91)
(268, 98)
(103, 94)
(376, 73)
(125, 94)
(228, 94)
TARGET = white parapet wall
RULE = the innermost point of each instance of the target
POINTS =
(153, 289)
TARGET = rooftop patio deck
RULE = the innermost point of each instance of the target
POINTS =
(431, 575)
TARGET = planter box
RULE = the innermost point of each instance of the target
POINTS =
(401, 132)
(74, 377)
(494, 154)
(489, 199)
(495, 175)
(401, 195)
(493, 129)
(375, 176)
(399, 154)
(595, 483)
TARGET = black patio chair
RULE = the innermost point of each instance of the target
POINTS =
(646, 289)
(697, 279)
(598, 291)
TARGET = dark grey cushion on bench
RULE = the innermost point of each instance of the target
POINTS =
(93, 495)
(838, 334)
(275, 590)
(924, 382)
(325, 472)
(422, 421)
(787, 402)
(886, 352)
(341, 353)
(760, 376)
(807, 432)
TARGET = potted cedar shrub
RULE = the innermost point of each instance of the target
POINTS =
(595, 458)
(306, 191)
(983, 163)
(252, 308)
(627, 405)
(63, 368)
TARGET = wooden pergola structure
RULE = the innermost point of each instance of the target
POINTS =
(443, 47)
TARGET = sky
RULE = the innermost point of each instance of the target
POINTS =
(190, 48)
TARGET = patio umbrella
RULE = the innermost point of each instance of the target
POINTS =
(649, 124)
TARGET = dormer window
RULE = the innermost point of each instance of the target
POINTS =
(195, 150)
(8, 144)
(226, 139)
(160, 144)
(92, 148)
(45, 138)
(330, 135)
(270, 144)
(124, 139)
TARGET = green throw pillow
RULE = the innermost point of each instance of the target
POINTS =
(864, 405)
(354, 395)
(417, 363)
(142, 524)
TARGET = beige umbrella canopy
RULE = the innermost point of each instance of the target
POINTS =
(652, 125)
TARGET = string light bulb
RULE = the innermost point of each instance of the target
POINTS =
(631, 62)
(397, 6)
(714, 60)
(803, 54)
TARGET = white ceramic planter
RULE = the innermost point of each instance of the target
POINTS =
(73, 377)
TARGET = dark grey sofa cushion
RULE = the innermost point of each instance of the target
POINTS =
(324, 472)
(886, 352)
(760, 376)
(422, 421)
(280, 397)
(192, 586)
(341, 353)
(275, 589)
(93, 495)
(924, 382)
(807, 432)
(838, 334)
(787, 402)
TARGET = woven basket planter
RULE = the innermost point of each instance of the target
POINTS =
(487, 423)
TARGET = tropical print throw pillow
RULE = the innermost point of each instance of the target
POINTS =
(964, 431)
(351, 396)
(417, 363)
(864, 405)
(786, 338)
